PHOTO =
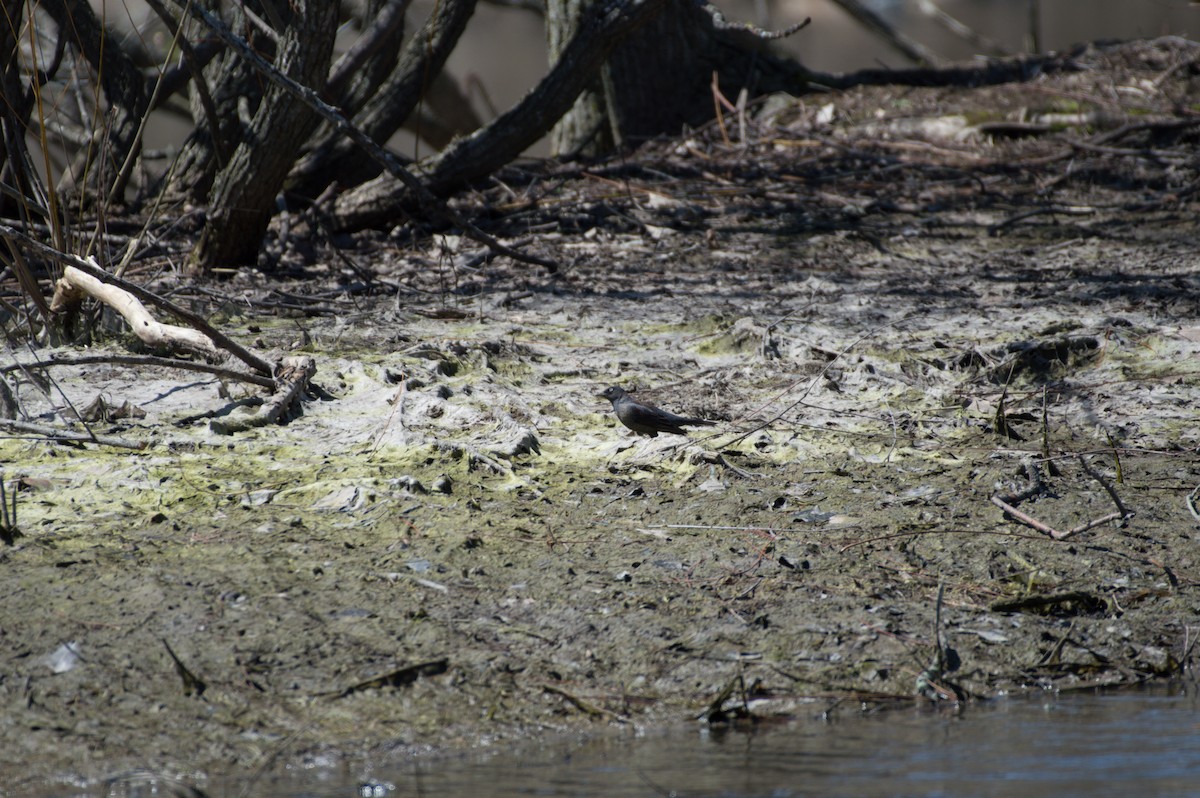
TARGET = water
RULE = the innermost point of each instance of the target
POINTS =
(1144, 743)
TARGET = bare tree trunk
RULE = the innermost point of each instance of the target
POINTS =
(338, 160)
(356, 76)
(505, 137)
(587, 129)
(221, 117)
(243, 196)
(15, 167)
(659, 78)
(123, 86)
(661, 55)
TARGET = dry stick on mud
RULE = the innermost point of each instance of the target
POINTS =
(385, 159)
(1120, 514)
(143, 360)
(295, 373)
(584, 706)
(58, 434)
(292, 379)
(220, 339)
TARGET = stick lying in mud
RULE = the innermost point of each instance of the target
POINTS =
(1120, 514)
(141, 360)
(294, 375)
(56, 434)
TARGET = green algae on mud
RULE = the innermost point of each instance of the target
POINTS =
(635, 578)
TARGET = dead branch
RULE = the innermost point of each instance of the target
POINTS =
(58, 434)
(71, 288)
(192, 64)
(143, 360)
(379, 33)
(117, 75)
(583, 705)
(385, 159)
(718, 458)
(1037, 486)
(1049, 530)
(962, 30)
(720, 23)
(991, 73)
(194, 319)
(1028, 520)
(505, 137)
(334, 159)
(873, 22)
(293, 379)
(1072, 148)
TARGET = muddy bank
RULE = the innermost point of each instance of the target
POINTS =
(456, 544)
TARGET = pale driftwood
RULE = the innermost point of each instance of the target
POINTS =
(292, 378)
(196, 320)
(74, 284)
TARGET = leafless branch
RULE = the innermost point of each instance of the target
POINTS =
(385, 159)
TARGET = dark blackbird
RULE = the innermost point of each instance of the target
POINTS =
(646, 419)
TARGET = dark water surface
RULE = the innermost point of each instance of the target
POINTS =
(1139, 743)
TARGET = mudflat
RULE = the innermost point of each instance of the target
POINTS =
(951, 338)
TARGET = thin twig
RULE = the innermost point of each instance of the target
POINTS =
(59, 434)
(960, 29)
(1191, 502)
(1028, 520)
(1112, 492)
(1104, 519)
(1049, 530)
(143, 360)
(584, 706)
(875, 23)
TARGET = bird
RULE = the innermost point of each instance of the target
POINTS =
(646, 419)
